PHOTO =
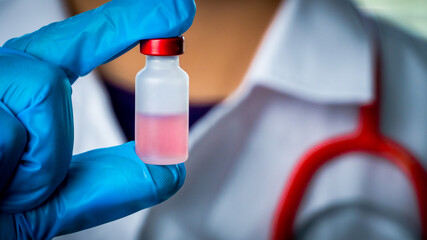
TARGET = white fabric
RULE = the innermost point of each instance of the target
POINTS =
(302, 39)
(95, 125)
(306, 83)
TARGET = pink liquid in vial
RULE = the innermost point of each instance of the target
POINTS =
(162, 140)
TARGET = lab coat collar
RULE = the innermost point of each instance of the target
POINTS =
(318, 50)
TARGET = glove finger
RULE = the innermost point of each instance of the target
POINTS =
(40, 98)
(102, 185)
(12, 143)
(81, 43)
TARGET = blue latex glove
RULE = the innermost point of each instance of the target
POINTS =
(45, 191)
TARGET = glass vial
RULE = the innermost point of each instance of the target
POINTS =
(161, 95)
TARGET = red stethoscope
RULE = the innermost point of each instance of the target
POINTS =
(366, 138)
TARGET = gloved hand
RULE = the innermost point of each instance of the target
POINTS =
(45, 191)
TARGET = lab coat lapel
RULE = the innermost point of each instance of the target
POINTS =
(324, 51)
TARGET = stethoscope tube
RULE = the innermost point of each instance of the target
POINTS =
(367, 138)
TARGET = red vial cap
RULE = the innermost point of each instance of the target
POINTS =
(162, 46)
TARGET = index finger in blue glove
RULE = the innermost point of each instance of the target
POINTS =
(81, 43)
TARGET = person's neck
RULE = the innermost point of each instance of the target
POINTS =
(221, 44)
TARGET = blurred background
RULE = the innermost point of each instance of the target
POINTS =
(408, 14)
(219, 49)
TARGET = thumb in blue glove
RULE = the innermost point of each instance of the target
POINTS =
(102, 185)
(40, 181)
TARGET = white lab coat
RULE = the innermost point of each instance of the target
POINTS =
(310, 75)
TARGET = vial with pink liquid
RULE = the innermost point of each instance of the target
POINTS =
(161, 95)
